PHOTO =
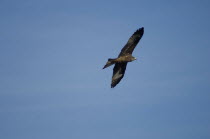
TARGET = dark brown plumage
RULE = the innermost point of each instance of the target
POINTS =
(124, 57)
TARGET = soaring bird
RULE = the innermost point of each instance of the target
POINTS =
(124, 57)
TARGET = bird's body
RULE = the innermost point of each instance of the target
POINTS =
(121, 59)
(124, 57)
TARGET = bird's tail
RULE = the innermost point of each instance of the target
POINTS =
(109, 62)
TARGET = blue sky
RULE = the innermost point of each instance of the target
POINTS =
(52, 84)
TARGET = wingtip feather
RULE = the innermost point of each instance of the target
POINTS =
(140, 29)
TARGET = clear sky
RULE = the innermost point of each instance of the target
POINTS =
(52, 85)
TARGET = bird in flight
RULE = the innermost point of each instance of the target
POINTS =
(124, 57)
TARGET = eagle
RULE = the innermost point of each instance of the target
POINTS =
(124, 57)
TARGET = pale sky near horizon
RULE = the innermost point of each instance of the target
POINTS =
(52, 85)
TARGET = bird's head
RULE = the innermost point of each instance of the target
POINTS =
(133, 58)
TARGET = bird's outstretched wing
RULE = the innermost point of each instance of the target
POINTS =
(132, 42)
(118, 73)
